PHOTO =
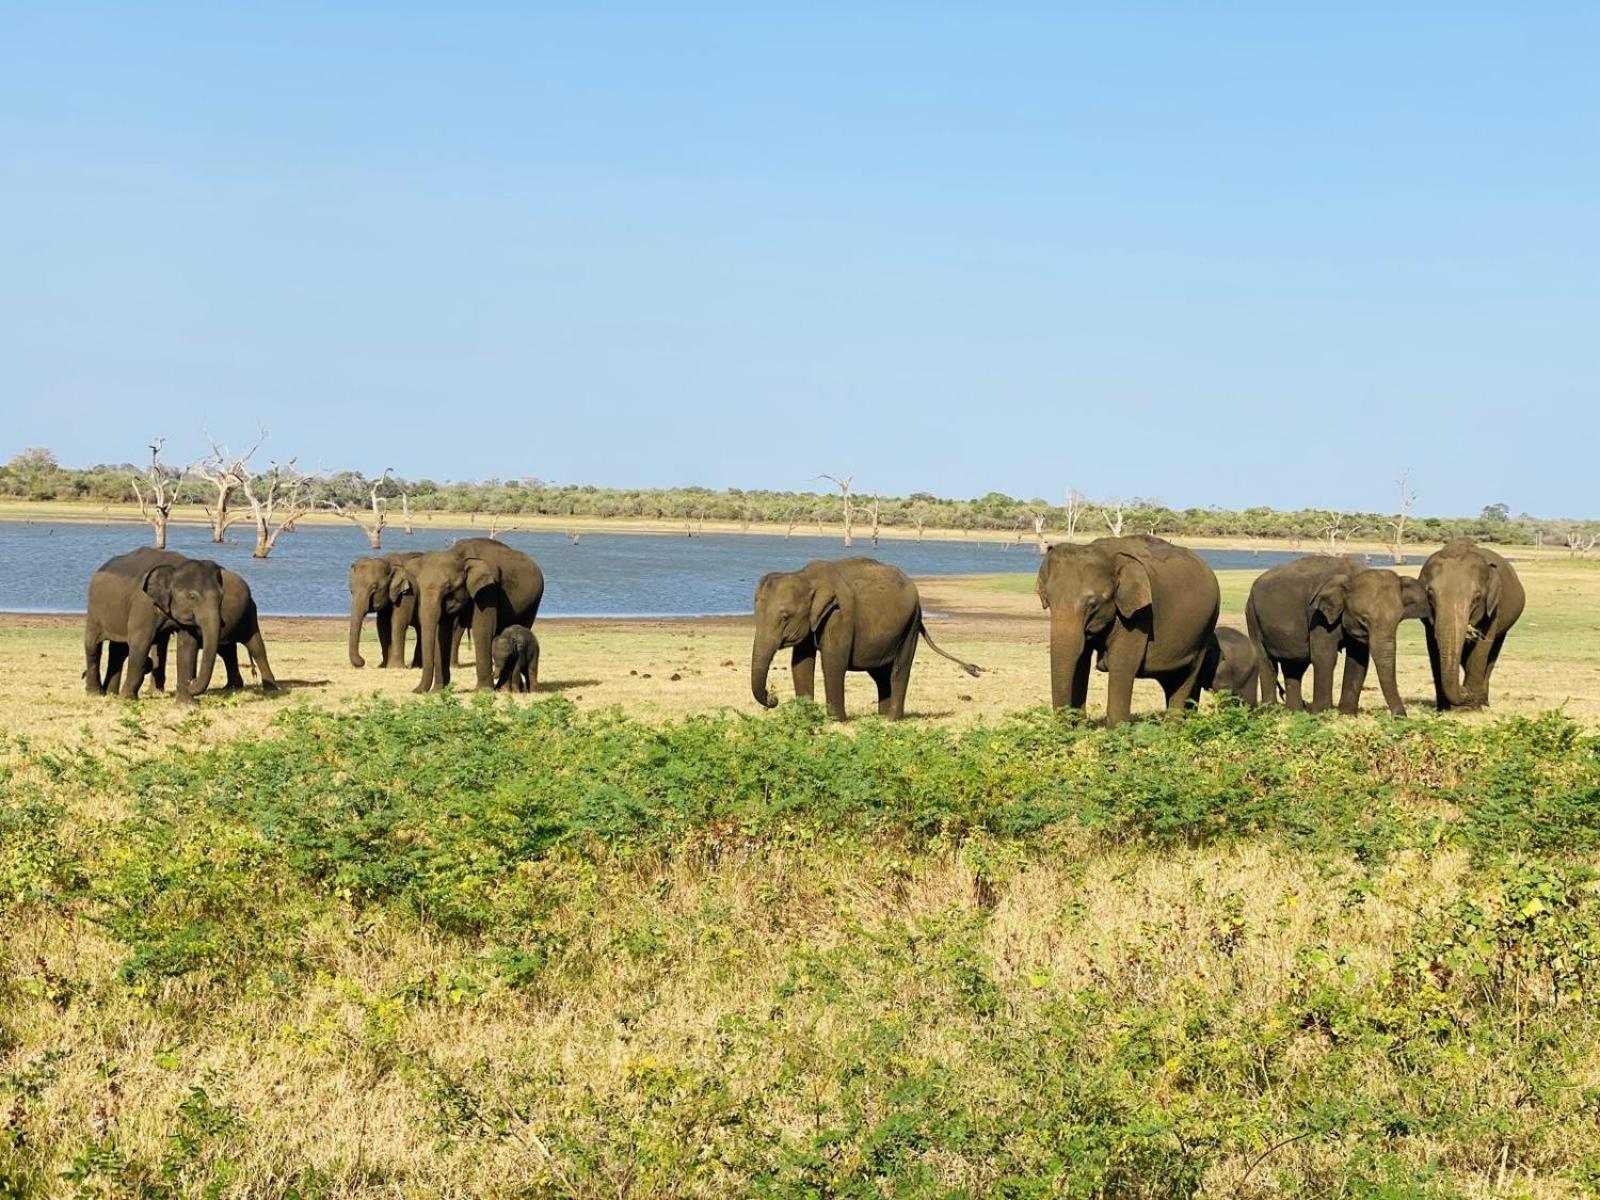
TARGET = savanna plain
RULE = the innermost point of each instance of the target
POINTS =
(633, 936)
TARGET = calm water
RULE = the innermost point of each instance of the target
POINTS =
(45, 567)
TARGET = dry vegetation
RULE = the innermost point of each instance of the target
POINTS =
(537, 948)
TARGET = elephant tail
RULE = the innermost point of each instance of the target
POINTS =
(969, 668)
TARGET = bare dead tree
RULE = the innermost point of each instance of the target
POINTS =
(1333, 530)
(156, 488)
(405, 512)
(281, 494)
(874, 513)
(1579, 545)
(796, 511)
(374, 526)
(1077, 504)
(1038, 517)
(1112, 512)
(225, 471)
(496, 529)
(1408, 500)
(849, 506)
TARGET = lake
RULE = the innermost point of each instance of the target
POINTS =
(45, 566)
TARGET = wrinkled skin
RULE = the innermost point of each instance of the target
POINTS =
(1474, 597)
(1147, 607)
(373, 590)
(478, 584)
(1230, 665)
(1302, 614)
(515, 658)
(139, 597)
(241, 626)
(856, 614)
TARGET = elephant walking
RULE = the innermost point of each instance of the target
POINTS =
(1473, 599)
(137, 599)
(479, 584)
(1147, 607)
(1303, 613)
(856, 614)
(241, 626)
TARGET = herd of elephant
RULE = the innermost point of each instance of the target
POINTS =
(1132, 607)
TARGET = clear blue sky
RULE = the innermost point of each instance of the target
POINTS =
(1206, 253)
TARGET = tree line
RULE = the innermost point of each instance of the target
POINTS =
(249, 487)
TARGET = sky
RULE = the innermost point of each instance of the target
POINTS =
(1212, 254)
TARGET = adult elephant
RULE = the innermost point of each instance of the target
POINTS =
(1474, 598)
(1301, 614)
(138, 597)
(857, 614)
(479, 584)
(241, 626)
(379, 585)
(1147, 607)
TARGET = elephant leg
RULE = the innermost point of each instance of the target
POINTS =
(1293, 675)
(803, 666)
(1324, 661)
(1356, 658)
(456, 633)
(116, 654)
(1183, 687)
(1250, 690)
(138, 661)
(1123, 656)
(833, 668)
(93, 684)
(485, 622)
(900, 679)
(258, 658)
(531, 672)
(1441, 702)
(384, 620)
(158, 670)
(229, 654)
(1495, 646)
(1477, 661)
(884, 677)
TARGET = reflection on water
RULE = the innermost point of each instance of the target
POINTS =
(45, 566)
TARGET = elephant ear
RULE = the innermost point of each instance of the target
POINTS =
(1330, 599)
(480, 575)
(824, 599)
(157, 584)
(1414, 597)
(1041, 583)
(1491, 594)
(1133, 585)
(399, 585)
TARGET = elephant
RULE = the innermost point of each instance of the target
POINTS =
(858, 614)
(478, 584)
(515, 653)
(1303, 613)
(138, 597)
(1147, 607)
(1473, 599)
(1230, 665)
(240, 626)
(373, 583)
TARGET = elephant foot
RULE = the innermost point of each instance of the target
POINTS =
(270, 686)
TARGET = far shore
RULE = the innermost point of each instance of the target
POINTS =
(487, 525)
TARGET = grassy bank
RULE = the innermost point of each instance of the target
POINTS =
(447, 948)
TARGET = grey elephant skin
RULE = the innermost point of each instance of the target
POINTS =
(856, 614)
(241, 626)
(1474, 597)
(1230, 666)
(137, 598)
(378, 585)
(1147, 607)
(515, 659)
(1303, 614)
(479, 584)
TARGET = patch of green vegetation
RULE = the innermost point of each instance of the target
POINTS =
(843, 1039)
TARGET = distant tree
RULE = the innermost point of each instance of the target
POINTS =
(1112, 512)
(283, 494)
(225, 473)
(1408, 500)
(374, 526)
(34, 473)
(1077, 504)
(1495, 513)
(156, 488)
(875, 512)
(849, 508)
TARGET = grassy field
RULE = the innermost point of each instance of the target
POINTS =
(635, 937)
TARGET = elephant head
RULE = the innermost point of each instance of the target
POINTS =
(189, 596)
(790, 607)
(1087, 590)
(1462, 588)
(371, 588)
(446, 582)
(1367, 606)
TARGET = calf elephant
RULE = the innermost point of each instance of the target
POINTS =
(1303, 613)
(1230, 665)
(515, 655)
(136, 599)
(479, 584)
(1146, 606)
(857, 614)
(378, 585)
(1473, 599)
(241, 626)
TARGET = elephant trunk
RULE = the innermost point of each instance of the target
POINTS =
(1450, 632)
(1067, 648)
(358, 614)
(434, 661)
(761, 656)
(1383, 658)
(210, 639)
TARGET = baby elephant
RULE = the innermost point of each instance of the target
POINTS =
(1230, 665)
(515, 653)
